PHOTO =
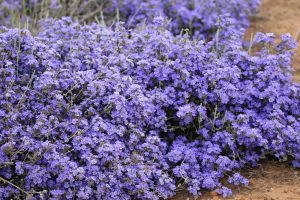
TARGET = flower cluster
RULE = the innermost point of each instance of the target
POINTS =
(199, 17)
(89, 112)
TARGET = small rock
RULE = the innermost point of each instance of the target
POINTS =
(213, 193)
(252, 181)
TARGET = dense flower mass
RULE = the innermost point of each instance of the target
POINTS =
(139, 109)
(198, 16)
(89, 112)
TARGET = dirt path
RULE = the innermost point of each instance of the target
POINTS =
(270, 181)
(279, 17)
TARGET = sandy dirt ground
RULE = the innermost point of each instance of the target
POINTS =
(270, 180)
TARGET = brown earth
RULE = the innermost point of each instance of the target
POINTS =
(270, 180)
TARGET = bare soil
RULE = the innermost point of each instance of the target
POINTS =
(270, 180)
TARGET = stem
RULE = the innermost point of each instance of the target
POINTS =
(10, 183)
(15, 186)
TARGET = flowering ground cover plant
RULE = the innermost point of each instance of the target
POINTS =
(198, 16)
(89, 112)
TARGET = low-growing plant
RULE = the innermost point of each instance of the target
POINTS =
(199, 17)
(89, 112)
